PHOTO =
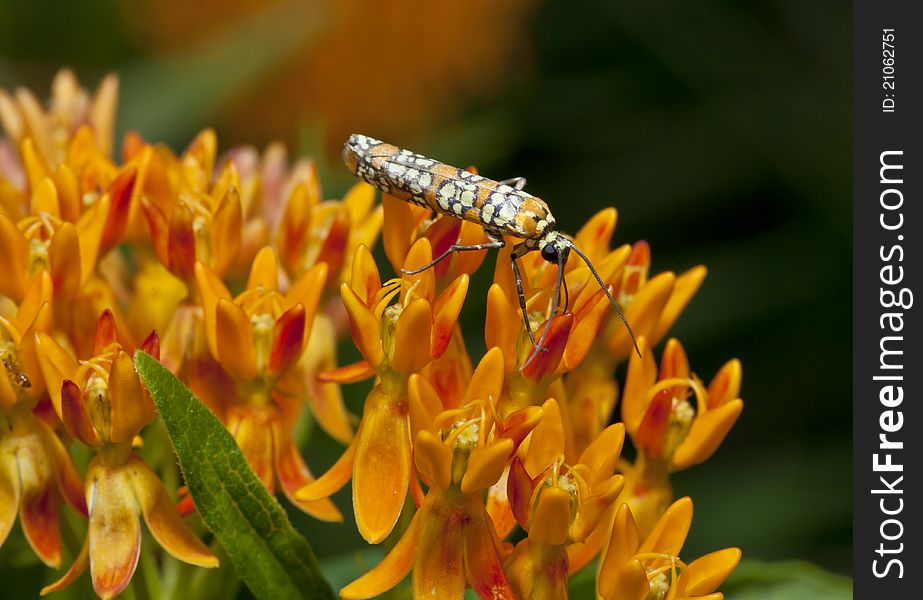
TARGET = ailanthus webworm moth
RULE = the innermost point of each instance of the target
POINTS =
(500, 207)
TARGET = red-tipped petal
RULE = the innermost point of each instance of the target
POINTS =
(120, 193)
(151, 345)
(650, 436)
(483, 565)
(181, 242)
(75, 570)
(547, 362)
(446, 310)
(105, 332)
(74, 414)
(288, 340)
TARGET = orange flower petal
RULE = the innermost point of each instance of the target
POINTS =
(181, 242)
(424, 283)
(487, 380)
(641, 375)
(264, 272)
(549, 521)
(381, 471)
(486, 465)
(442, 233)
(292, 237)
(502, 325)
(334, 246)
(70, 483)
(547, 362)
(251, 430)
(211, 289)
(414, 324)
(120, 194)
(669, 534)
(483, 566)
(68, 191)
(439, 571)
(585, 330)
(75, 570)
(363, 326)
(163, 521)
(400, 221)
(433, 460)
(424, 404)
(393, 567)
(594, 237)
(623, 544)
(547, 441)
(334, 479)
(706, 434)
(364, 280)
(14, 272)
(105, 332)
(55, 364)
(234, 340)
(643, 313)
(359, 200)
(151, 345)
(64, 254)
(307, 291)
(602, 455)
(227, 231)
(593, 508)
(705, 574)
(357, 371)
(519, 488)
(629, 583)
(74, 415)
(725, 385)
(160, 229)
(294, 475)
(287, 340)
(651, 434)
(446, 310)
(45, 198)
(38, 515)
(326, 399)
(131, 408)
(673, 361)
(684, 289)
(114, 530)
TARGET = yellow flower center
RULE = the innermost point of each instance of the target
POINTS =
(463, 437)
(389, 328)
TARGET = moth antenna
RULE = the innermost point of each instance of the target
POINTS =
(554, 309)
(605, 289)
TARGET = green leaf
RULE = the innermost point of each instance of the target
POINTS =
(272, 559)
(793, 580)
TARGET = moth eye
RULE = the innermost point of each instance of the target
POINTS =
(550, 253)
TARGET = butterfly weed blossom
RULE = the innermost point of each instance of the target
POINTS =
(503, 472)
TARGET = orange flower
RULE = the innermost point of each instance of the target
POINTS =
(102, 403)
(458, 453)
(195, 219)
(70, 107)
(635, 570)
(258, 338)
(46, 241)
(651, 306)
(674, 421)
(389, 338)
(560, 506)
(35, 469)
(658, 412)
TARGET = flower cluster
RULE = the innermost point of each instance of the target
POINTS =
(236, 273)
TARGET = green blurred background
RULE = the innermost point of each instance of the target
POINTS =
(719, 129)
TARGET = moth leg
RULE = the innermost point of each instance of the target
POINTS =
(495, 242)
(517, 182)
